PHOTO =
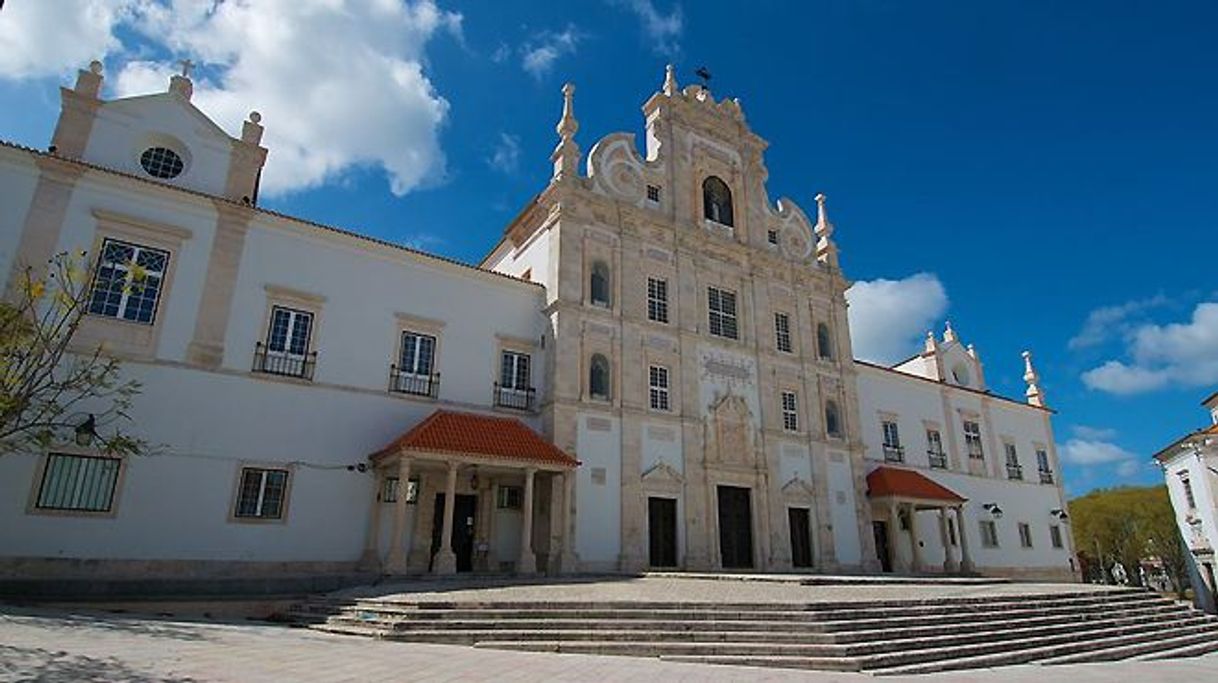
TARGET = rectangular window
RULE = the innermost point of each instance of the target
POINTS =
(657, 381)
(1025, 535)
(893, 452)
(934, 449)
(289, 332)
(128, 282)
(418, 352)
(1014, 469)
(78, 482)
(772, 236)
(653, 194)
(1055, 535)
(657, 300)
(1042, 466)
(389, 493)
(514, 371)
(972, 440)
(989, 533)
(790, 411)
(510, 498)
(1188, 494)
(721, 309)
(782, 332)
(262, 493)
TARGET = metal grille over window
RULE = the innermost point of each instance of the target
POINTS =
(790, 411)
(657, 379)
(653, 193)
(721, 307)
(262, 493)
(161, 162)
(782, 332)
(657, 300)
(414, 373)
(128, 282)
(77, 482)
(513, 389)
(286, 351)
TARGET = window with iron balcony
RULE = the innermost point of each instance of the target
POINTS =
(286, 350)
(1042, 465)
(893, 452)
(414, 372)
(1014, 470)
(514, 390)
(934, 450)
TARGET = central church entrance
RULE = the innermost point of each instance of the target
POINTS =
(662, 531)
(735, 528)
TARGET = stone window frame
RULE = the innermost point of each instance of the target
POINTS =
(525, 347)
(789, 416)
(967, 418)
(1025, 535)
(279, 296)
(1055, 537)
(238, 475)
(929, 427)
(430, 327)
(988, 539)
(661, 304)
(840, 433)
(826, 348)
(607, 395)
(44, 461)
(128, 338)
(735, 317)
(666, 389)
(600, 269)
(782, 333)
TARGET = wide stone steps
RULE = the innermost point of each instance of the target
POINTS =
(888, 636)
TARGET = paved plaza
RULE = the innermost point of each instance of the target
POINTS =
(45, 644)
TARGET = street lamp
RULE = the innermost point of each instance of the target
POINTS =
(86, 431)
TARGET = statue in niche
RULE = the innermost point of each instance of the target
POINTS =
(731, 428)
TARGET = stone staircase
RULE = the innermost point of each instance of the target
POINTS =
(880, 637)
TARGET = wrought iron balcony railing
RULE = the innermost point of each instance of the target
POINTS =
(894, 453)
(938, 459)
(283, 363)
(1046, 477)
(1014, 471)
(516, 399)
(402, 382)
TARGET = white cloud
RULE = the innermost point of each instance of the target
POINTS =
(1177, 354)
(506, 156)
(1079, 451)
(42, 38)
(663, 30)
(501, 53)
(1094, 433)
(539, 54)
(889, 317)
(1107, 322)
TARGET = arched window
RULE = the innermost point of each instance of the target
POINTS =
(598, 377)
(833, 419)
(599, 284)
(717, 201)
(824, 342)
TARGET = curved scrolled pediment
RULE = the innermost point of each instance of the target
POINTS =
(616, 168)
(797, 487)
(795, 236)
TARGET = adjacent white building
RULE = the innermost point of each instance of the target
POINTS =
(652, 369)
(1190, 469)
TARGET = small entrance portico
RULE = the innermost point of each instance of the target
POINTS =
(897, 496)
(459, 470)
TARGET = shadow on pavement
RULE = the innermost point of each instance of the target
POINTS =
(35, 664)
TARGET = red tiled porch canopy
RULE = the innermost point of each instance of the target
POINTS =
(895, 482)
(483, 437)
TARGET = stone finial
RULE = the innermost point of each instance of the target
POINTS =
(566, 154)
(972, 351)
(251, 130)
(826, 250)
(1036, 396)
(670, 81)
(949, 335)
(89, 81)
(180, 84)
(932, 346)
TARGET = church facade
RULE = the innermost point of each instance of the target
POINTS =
(651, 370)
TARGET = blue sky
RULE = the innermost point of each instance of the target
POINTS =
(1048, 168)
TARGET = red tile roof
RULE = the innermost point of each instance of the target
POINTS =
(893, 481)
(507, 438)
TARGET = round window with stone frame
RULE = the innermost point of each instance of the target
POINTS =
(162, 162)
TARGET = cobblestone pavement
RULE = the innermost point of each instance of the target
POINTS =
(46, 645)
(653, 588)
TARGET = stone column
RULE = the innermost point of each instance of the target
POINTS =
(569, 561)
(395, 562)
(894, 532)
(915, 549)
(446, 559)
(527, 564)
(966, 560)
(949, 561)
(371, 559)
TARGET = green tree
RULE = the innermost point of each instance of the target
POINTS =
(1127, 525)
(52, 389)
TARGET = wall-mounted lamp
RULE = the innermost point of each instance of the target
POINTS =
(1060, 514)
(993, 509)
(358, 467)
(473, 480)
(86, 431)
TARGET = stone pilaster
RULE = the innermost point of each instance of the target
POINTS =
(44, 220)
(206, 348)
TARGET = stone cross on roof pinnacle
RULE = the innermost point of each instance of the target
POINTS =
(187, 65)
